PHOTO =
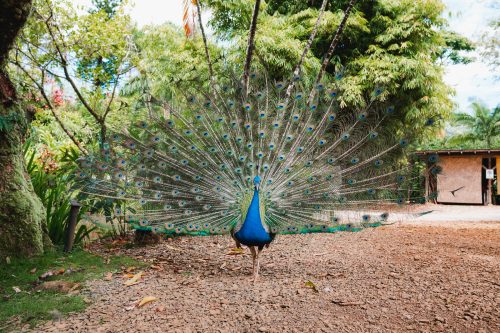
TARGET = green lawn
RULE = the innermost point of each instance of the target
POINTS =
(30, 306)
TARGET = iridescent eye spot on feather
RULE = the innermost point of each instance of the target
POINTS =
(276, 124)
(400, 179)
(371, 191)
(247, 107)
(188, 132)
(121, 193)
(248, 126)
(220, 120)
(308, 164)
(279, 85)
(403, 142)
(309, 128)
(373, 135)
(131, 145)
(199, 117)
(169, 226)
(250, 165)
(433, 158)
(289, 138)
(149, 153)
(365, 218)
(354, 160)
(335, 220)
(119, 175)
(182, 203)
(234, 123)
(400, 201)
(345, 136)
(173, 148)
(204, 164)
(207, 104)
(262, 115)
(260, 154)
(298, 96)
(362, 116)
(296, 78)
(143, 222)
(142, 201)
(238, 170)
(142, 124)
(296, 117)
(351, 181)
(170, 123)
(378, 91)
(389, 110)
(178, 230)
(231, 104)
(191, 99)
(378, 163)
(269, 182)
(249, 145)
(384, 216)
(229, 153)
(242, 158)
(332, 93)
(281, 158)
(321, 142)
(157, 179)
(162, 164)
(239, 139)
(184, 162)
(330, 160)
(207, 207)
(262, 134)
(289, 183)
(115, 137)
(287, 170)
(271, 146)
(331, 117)
(175, 192)
(320, 86)
(300, 149)
(329, 177)
(313, 107)
(157, 195)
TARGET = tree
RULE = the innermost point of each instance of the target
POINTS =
(23, 229)
(482, 127)
(89, 53)
(398, 45)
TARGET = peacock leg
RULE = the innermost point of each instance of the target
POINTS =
(254, 256)
(256, 273)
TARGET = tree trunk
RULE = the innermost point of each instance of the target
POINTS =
(23, 228)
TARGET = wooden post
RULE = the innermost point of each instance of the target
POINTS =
(489, 188)
(70, 230)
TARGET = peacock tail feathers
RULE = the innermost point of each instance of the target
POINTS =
(191, 171)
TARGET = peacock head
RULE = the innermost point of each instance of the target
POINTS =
(256, 182)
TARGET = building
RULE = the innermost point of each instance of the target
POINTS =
(468, 176)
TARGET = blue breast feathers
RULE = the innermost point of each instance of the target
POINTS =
(252, 232)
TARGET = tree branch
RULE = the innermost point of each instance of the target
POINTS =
(205, 44)
(332, 47)
(250, 46)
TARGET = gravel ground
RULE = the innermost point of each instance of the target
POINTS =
(389, 279)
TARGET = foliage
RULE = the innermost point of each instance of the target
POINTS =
(30, 306)
(400, 45)
(482, 128)
(89, 52)
(490, 45)
(52, 184)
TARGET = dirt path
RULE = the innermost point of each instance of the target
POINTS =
(390, 279)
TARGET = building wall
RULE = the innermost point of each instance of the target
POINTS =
(462, 175)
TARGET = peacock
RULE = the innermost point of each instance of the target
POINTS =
(252, 156)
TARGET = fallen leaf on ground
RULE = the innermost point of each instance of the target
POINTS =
(173, 248)
(130, 269)
(33, 271)
(223, 265)
(346, 303)
(108, 276)
(310, 284)
(156, 267)
(146, 300)
(235, 251)
(16, 289)
(160, 309)
(60, 286)
(134, 280)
